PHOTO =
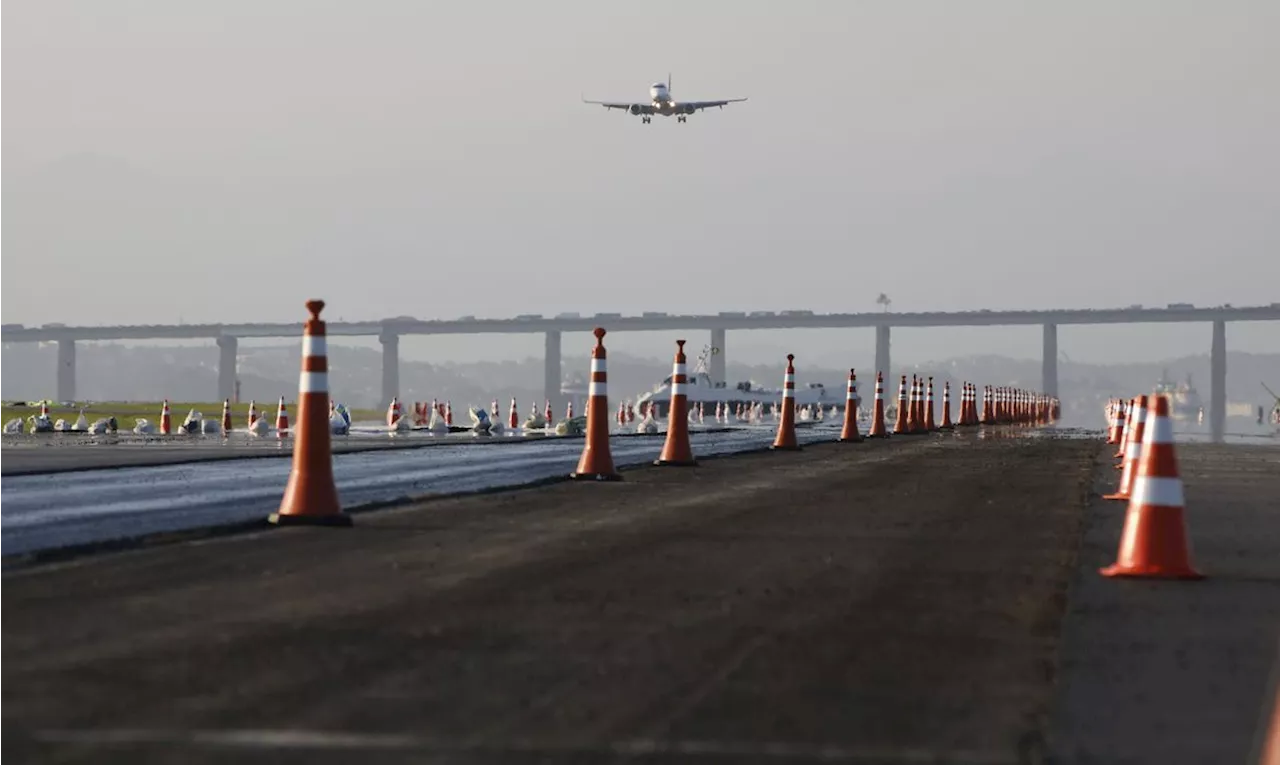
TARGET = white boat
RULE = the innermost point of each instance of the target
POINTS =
(702, 389)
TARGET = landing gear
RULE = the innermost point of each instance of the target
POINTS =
(645, 120)
(682, 118)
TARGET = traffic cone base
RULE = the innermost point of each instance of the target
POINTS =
(341, 519)
(1151, 535)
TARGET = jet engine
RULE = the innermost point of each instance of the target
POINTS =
(635, 108)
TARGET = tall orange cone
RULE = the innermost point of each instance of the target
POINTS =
(677, 451)
(850, 431)
(1133, 451)
(900, 423)
(311, 497)
(166, 420)
(226, 416)
(596, 463)
(1154, 542)
(928, 408)
(946, 423)
(878, 429)
(253, 413)
(786, 439)
(514, 422)
(1127, 431)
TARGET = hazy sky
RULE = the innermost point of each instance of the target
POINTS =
(225, 161)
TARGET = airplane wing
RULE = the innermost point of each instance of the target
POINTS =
(700, 105)
(634, 108)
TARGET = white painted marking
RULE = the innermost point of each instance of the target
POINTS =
(313, 382)
(598, 365)
(788, 378)
(598, 389)
(679, 389)
(680, 369)
(313, 345)
(1162, 492)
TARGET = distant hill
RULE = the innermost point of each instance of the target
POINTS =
(110, 371)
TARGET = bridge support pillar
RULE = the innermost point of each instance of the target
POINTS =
(390, 366)
(882, 358)
(66, 370)
(227, 348)
(717, 362)
(1049, 361)
(1218, 382)
(551, 371)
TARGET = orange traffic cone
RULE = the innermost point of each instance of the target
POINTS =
(253, 413)
(1127, 430)
(226, 416)
(946, 408)
(282, 420)
(1113, 421)
(900, 423)
(311, 497)
(786, 439)
(1154, 542)
(393, 412)
(1137, 429)
(166, 420)
(677, 451)
(850, 431)
(878, 429)
(596, 463)
(1268, 747)
(928, 408)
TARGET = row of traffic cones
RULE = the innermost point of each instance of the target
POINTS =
(1154, 542)
(311, 495)
(282, 418)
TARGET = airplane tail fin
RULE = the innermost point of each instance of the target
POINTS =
(668, 82)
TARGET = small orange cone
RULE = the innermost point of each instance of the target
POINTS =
(166, 420)
(677, 451)
(393, 412)
(1154, 542)
(786, 439)
(1133, 451)
(596, 463)
(878, 429)
(988, 407)
(850, 432)
(253, 413)
(946, 408)
(282, 420)
(311, 497)
(226, 416)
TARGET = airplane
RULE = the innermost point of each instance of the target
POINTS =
(661, 102)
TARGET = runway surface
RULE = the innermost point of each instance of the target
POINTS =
(881, 602)
(927, 599)
(77, 507)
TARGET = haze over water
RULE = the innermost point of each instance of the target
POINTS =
(176, 160)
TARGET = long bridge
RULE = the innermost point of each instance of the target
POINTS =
(389, 332)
